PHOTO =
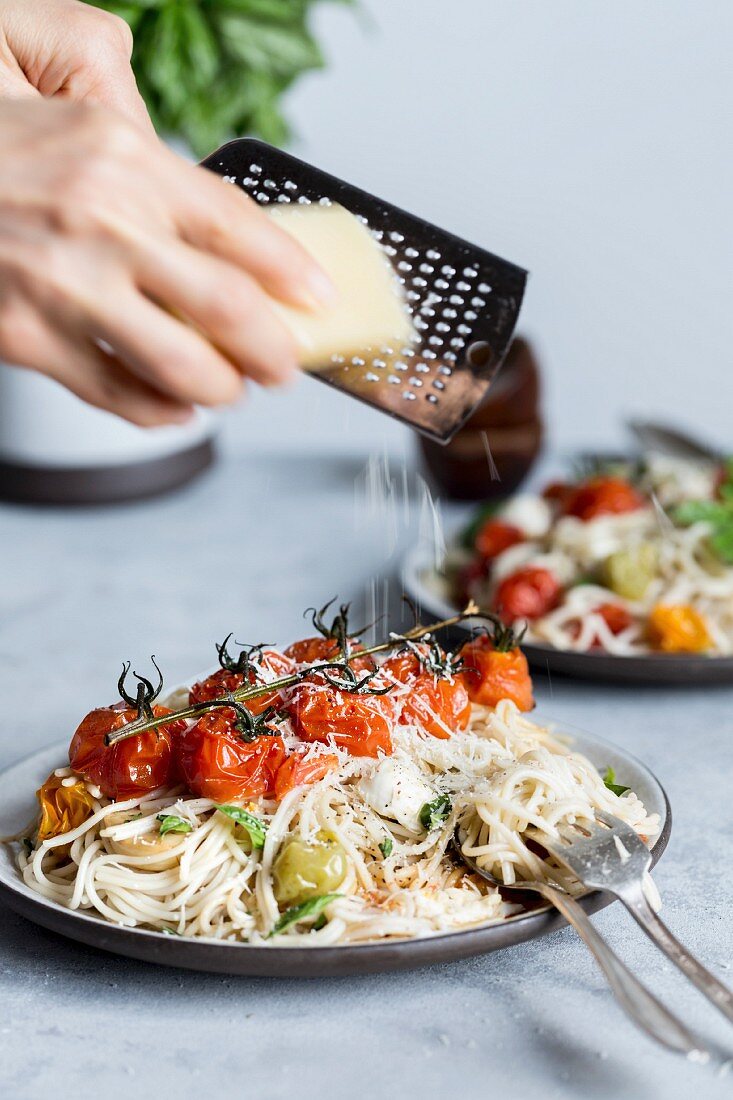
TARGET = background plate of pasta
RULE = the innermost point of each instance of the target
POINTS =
(291, 813)
(625, 572)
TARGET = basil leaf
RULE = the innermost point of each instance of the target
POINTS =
(201, 52)
(701, 511)
(609, 781)
(255, 826)
(165, 38)
(386, 847)
(170, 823)
(170, 932)
(281, 50)
(718, 513)
(312, 908)
(721, 542)
(129, 12)
(435, 813)
(210, 69)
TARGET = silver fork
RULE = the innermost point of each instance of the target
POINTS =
(611, 856)
(639, 1003)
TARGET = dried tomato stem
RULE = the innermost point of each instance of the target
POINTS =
(241, 695)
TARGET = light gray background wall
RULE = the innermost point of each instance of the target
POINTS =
(589, 141)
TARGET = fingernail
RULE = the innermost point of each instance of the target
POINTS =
(319, 290)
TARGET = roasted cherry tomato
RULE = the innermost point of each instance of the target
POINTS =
(218, 763)
(310, 650)
(223, 681)
(527, 594)
(358, 723)
(602, 496)
(492, 674)
(437, 704)
(678, 628)
(616, 617)
(557, 491)
(299, 771)
(131, 767)
(62, 808)
(494, 537)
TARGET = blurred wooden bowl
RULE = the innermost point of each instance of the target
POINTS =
(495, 450)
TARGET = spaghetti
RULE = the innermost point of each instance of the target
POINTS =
(628, 562)
(508, 781)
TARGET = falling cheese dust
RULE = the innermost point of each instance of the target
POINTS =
(493, 471)
(396, 501)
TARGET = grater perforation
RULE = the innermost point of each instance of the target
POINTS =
(464, 301)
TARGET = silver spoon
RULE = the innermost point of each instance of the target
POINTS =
(655, 436)
(636, 1000)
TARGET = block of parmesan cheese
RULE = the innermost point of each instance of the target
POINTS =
(370, 310)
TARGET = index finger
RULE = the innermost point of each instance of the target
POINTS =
(220, 218)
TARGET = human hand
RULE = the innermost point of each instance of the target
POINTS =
(138, 281)
(69, 49)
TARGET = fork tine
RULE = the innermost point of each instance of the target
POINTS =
(611, 820)
(611, 856)
(620, 828)
(603, 826)
(581, 832)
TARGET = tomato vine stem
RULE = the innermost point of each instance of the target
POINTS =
(246, 692)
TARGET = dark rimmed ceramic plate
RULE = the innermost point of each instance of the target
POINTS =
(17, 787)
(424, 585)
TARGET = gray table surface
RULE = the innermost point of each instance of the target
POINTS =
(285, 520)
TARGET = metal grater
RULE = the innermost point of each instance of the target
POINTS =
(464, 301)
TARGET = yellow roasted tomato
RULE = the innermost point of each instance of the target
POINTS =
(305, 869)
(678, 628)
(62, 808)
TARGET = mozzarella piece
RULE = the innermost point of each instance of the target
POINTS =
(526, 555)
(677, 479)
(370, 310)
(531, 514)
(150, 844)
(395, 790)
(590, 542)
